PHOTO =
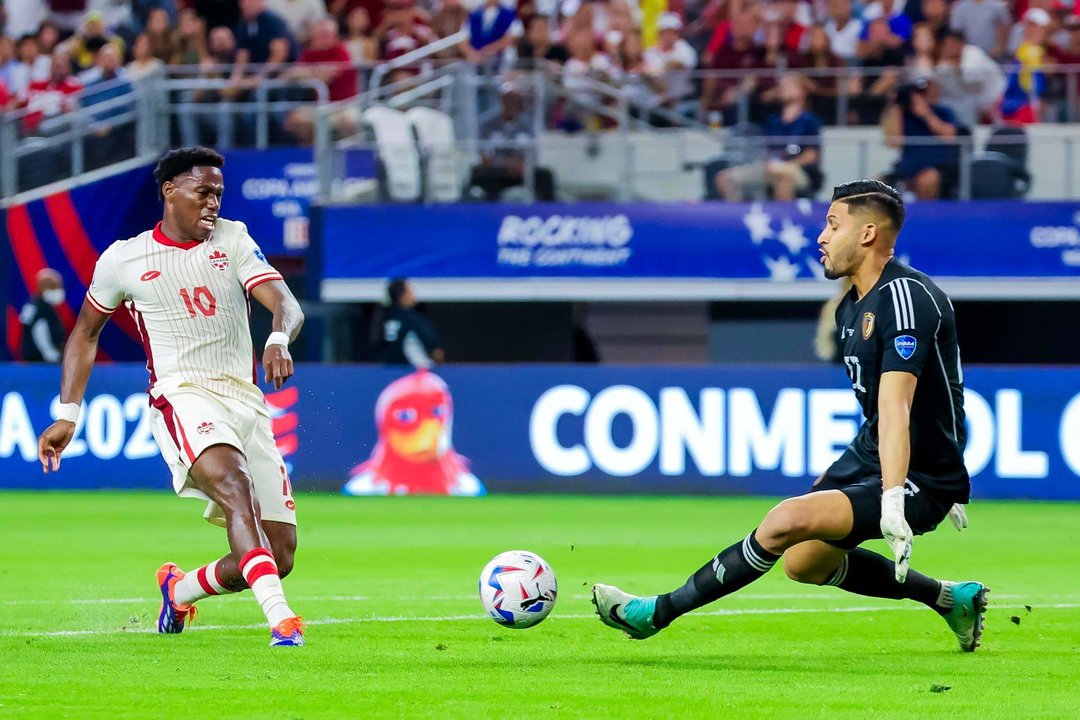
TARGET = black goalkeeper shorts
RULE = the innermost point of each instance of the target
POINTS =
(923, 510)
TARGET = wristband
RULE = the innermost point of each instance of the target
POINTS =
(68, 412)
(277, 338)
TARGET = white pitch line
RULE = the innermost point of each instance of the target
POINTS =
(478, 617)
(364, 598)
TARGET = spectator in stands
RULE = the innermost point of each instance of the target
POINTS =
(823, 90)
(50, 97)
(48, 37)
(360, 40)
(971, 82)
(190, 39)
(141, 9)
(983, 23)
(935, 13)
(33, 65)
(200, 127)
(341, 9)
(503, 163)
(784, 14)
(449, 19)
(493, 27)
(670, 62)
(1026, 82)
(881, 54)
(794, 146)
(736, 51)
(586, 62)
(84, 45)
(326, 59)
(408, 337)
(143, 63)
(119, 15)
(920, 64)
(843, 28)
(110, 142)
(299, 15)
(1066, 48)
(539, 45)
(404, 28)
(43, 334)
(262, 37)
(9, 64)
(218, 13)
(899, 23)
(163, 45)
(927, 165)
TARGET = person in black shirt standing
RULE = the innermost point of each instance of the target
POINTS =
(408, 338)
(42, 334)
(902, 474)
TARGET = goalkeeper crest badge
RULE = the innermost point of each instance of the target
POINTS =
(905, 346)
(867, 325)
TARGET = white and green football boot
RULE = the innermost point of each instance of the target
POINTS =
(967, 614)
(633, 615)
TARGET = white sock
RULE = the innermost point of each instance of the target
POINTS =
(199, 584)
(260, 573)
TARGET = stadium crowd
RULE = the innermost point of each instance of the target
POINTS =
(925, 67)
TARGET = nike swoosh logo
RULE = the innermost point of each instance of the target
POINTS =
(614, 613)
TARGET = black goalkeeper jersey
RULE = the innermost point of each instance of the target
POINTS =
(907, 324)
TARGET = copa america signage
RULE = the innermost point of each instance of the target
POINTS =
(529, 428)
(725, 432)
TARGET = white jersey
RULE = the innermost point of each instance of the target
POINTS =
(190, 303)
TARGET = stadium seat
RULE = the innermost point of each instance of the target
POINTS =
(435, 135)
(1011, 141)
(996, 176)
(398, 158)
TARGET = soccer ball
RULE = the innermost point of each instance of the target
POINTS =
(518, 589)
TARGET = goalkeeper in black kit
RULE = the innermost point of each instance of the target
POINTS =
(902, 474)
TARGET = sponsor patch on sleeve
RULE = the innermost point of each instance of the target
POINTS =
(260, 256)
(905, 346)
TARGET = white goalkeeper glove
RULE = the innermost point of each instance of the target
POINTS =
(895, 529)
(958, 516)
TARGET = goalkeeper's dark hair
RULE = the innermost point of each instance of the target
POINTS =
(872, 195)
(182, 160)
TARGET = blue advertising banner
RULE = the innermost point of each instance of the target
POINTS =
(270, 190)
(468, 430)
(760, 242)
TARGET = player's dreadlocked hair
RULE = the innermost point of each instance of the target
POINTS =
(874, 195)
(179, 161)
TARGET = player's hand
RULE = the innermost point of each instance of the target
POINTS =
(895, 529)
(52, 442)
(277, 365)
(958, 516)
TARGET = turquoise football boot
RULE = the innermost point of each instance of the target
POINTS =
(633, 615)
(967, 614)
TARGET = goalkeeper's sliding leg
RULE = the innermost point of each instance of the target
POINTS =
(818, 534)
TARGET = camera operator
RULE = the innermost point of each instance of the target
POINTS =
(927, 166)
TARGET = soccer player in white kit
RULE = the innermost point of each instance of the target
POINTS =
(187, 285)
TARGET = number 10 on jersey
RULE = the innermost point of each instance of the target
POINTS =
(199, 301)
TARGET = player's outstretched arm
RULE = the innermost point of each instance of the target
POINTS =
(78, 361)
(895, 395)
(276, 297)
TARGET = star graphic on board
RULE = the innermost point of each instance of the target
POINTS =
(757, 222)
(781, 269)
(816, 268)
(793, 237)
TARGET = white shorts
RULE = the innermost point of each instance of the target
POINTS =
(189, 419)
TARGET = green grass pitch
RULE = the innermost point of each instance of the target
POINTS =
(389, 589)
